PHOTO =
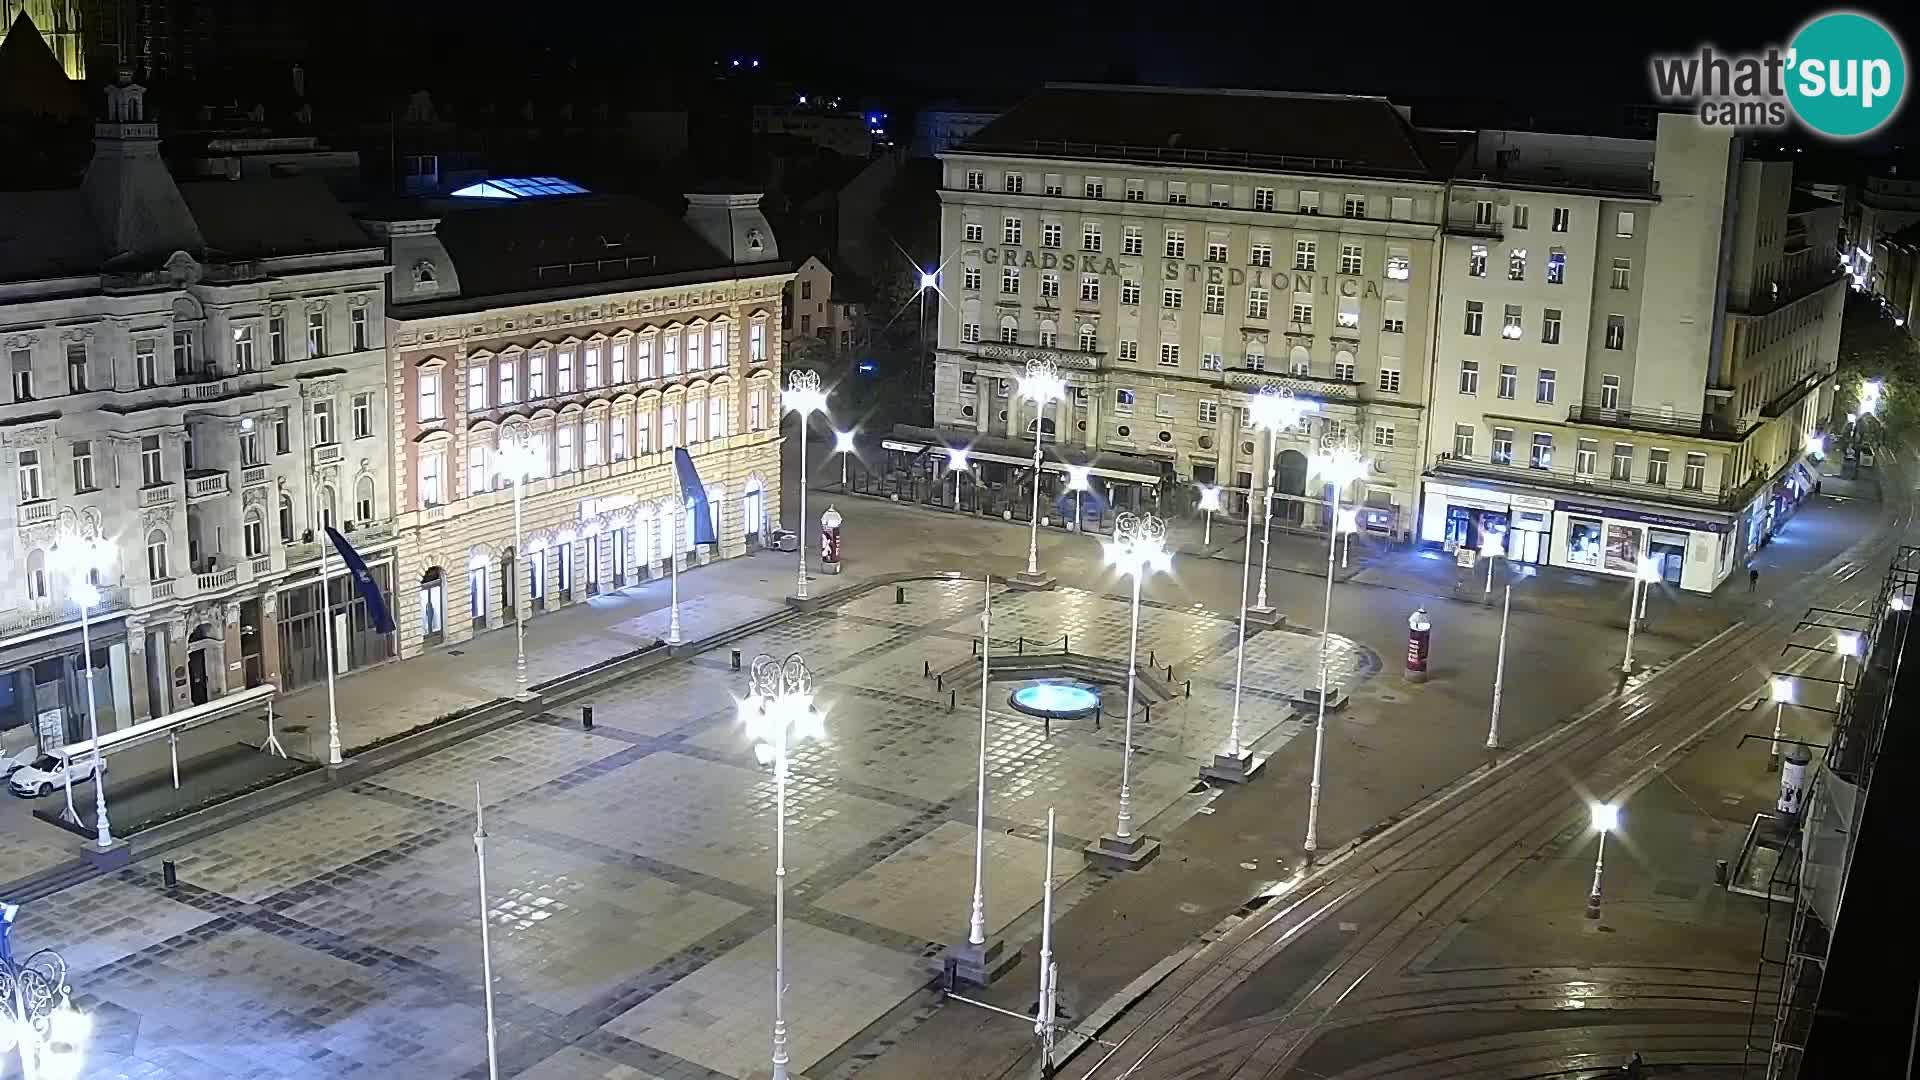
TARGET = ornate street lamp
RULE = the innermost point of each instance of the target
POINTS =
(79, 559)
(843, 445)
(805, 397)
(1138, 548)
(1646, 573)
(1272, 411)
(1606, 818)
(1041, 384)
(37, 1016)
(519, 462)
(1339, 465)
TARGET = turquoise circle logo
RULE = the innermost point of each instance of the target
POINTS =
(1847, 74)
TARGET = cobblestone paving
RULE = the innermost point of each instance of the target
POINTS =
(630, 868)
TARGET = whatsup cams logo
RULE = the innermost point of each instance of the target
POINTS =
(1844, 75)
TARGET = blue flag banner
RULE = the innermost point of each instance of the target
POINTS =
(694, 492)
(363, 580)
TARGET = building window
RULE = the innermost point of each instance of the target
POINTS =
(1014, 182)
(1165, 406)
(1550, 327)
(1096, 188)
(1463, 440)
(1476, 317)
(1383, 435)
(357, 321)
(243, 348)
(1255, 358)
(509, 373)
(970, 279)
(1305, 254)
(1562, 218)
(1511, 329)
(1169, 354)
(1483, 212)
(1519, 215)
(1585, 454)
(1089, 340)
(1477, 261)
(479, 471)
(1212, 361)
(1695, 478)
(537, 368)
(1351, 258)
(974, 232)
(1216, 251)
(1309, 202)
(1389, 380)
(1541, 456)
(286, 518)
(1302, 314)
(1176, 193)
(152, 471)
(1544, 386)
(757, 342)
(1132, 241)
(1399, 264)
(254, 532)
(1610, 392)
(1129, 292)
(1171, 299)
(1263, 198)
(1517, 264)
(1556, 267)
(1009, 280)
(1090, 236)
(282, 440)
(1616, 332)
(83, 465)
(1049, 337)
(1050, 234)
(1623, 223)
(1300, 362)
(1010, 230)
(1220, 195)
(1209, 413)
(431, 462)
(277, 340)
(1089, 289)
(316, 333)
(590, 368)
(1355, 207)
(184, 362)
(1623, 461)
(1502, 446)
(1050, 285)
(1176, 244)
(1509, 381)
(1260, 255)
(429, 396)
(146, 364)
(363, 416)
(1128, 350)
(976, 180)
(29, 470)
(1343, 370)
(1216, 299)
(1622, 273)
(1009, 333)
(322, 422)
(717, 345)
(563, 448)
(363, 495)
(1657, 467)
(156, 556)
(1123, 402)
(970, 333)
(1469, 376)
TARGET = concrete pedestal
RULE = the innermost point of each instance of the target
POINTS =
(1265, 617)
(1113, 853)
(1232, 770)
(980, 965)
(1031, 582)
(1308, 700)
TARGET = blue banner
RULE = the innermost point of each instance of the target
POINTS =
(363, 580)
(694, 493)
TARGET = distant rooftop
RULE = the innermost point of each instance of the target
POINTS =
(519, 187)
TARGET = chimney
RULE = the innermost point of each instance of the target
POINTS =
(299, 81)
(732, 224)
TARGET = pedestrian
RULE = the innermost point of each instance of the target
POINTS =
(1753, 578)
(1633, 1069)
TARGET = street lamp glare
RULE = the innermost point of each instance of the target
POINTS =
(1490, 545)
(843, 442)
(1042, 387)
(1341, 466)
(956, 458)
(1847, 644)
(1782, 689)
(1606, 817)
(1277, 410)
(1649, 569)
(1896, 602)
(1079, 477)
(929, 280)
(1348, 520)
(1817, 446)
(1209, 497)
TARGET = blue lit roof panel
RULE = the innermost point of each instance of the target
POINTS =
(519, 187)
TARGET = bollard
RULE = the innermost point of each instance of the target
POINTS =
(586, 717)
(926, 668)
(953, 700)
(1046, 726)
(167, 873)
(1147, 713)
(940, 682)
(1064, 647)
(1169, 672)
(1151, 662)
(899, 594)
(1020, 646)
(1189, 687)
(1720, 872)
(976, 646)
(1098, 712)
(735, 659)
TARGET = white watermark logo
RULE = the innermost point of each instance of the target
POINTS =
(1844, 75)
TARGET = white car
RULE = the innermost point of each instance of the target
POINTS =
(12, 763)
(46, 773)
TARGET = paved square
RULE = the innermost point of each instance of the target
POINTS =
(925, 890)
(258, 858)
(507, 761)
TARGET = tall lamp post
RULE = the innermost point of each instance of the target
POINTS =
(1606, 818)
(1782, 693)
(1644, 577)
(519, 462)
(778, 713)
(805, 397)
(843, 445)
(80, 559)
(37, 1016)
(1338, 465)
(1490, 548)
(1499, 671)
(956, 464)
(1347, 522)
(1273, 411)
(1846, 645)
(1041, 385)
(1209, 502)
(1138, 547)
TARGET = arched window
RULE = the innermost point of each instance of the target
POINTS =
(1300, 361)
(363, 499)
(37, 585)
(254, 532)
(286, 518)
(327, 515)
(423, 273)
(157, 556)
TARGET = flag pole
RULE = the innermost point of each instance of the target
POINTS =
(326, 589)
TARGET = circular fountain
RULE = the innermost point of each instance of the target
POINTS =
(1056, 699)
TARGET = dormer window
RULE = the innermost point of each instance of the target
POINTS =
(754, 241)
(423, 276)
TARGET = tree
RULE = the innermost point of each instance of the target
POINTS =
(1873, 347)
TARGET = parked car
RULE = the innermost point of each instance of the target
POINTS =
(12, 763)
(45, 773)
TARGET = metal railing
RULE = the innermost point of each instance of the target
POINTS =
(1106, 151)
(1564, 478)
(1609, 413)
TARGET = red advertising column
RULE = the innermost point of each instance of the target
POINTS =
(1419, 645)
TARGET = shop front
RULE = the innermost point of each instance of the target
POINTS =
(43, 687)
(1458, 515)
(1694, 554)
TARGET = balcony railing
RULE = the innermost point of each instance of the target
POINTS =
(156, 495)
(1601, 412)
(262, 565)
(1463, 227)
(326, 453)
(25, 620)
(34, 513)
(205, 483)
(161, 590)
(255, 476)
(361, 537)
(1300, 385)
(218, 579)
(1562, 478)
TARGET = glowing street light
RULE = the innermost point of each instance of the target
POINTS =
(1782, 691)
(1846, 645)
(1346, 523)
(519, 462)
(1209, 502)
(1606, 819)
(1138, 548)
(37, 1016)
(1645, 576)
(1817, 446)
(1079, 481)
(80, 559)
(929, 280)
(1339, 465)
(1272, 411)
(1490, 546)
(778, 713)
(843, 445)
(1499, 671)
(956, 464)
(1041, 384)
(805, 397)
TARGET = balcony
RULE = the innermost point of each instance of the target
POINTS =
(326, 453)
(153, 592)
(361, 537)
(1600, 413)
(156, 495)
(205, 484)
(216, 580)
(1488, 229)
(26, 620)
(1562, 478)
(262, 565)
(1308, 386)
(37, 512)
(255, 476)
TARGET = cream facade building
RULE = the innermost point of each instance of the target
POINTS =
(1635, 346)
(602, 334)
(1176, 252)
(195, 376)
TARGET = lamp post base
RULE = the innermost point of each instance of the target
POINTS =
(1232, 769)
(1267, 617)
(1113, 853)
(1031, 582)
(979, 965)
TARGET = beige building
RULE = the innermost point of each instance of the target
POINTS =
(194, 376)
(602, 333)
(816, 311)
(1635, 344)
(1177, 251)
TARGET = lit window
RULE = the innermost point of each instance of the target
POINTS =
(1476, 316)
